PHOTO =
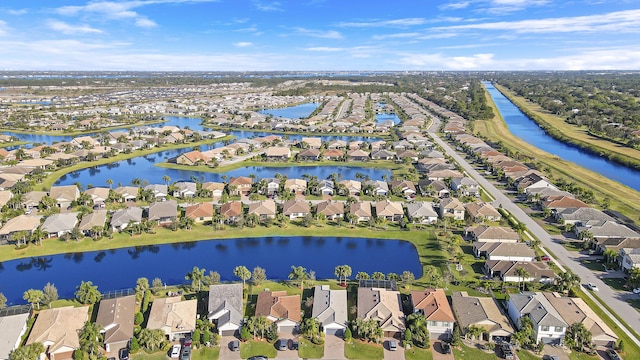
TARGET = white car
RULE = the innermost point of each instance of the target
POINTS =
(592, 287)
(636, 291)
(175, 351)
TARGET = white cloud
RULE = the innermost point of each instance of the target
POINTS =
(269, 7)
(145, 23)
(455, 5)
(385, 23)
(17, 11)
(501, 7)
(325, 34)
(440, 61)
(325, 49)
(68, 29)
(397, 36)
(619, 21)
(4, 28)
(243, 44)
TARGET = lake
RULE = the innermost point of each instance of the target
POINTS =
(119, 268)
(292, 112)
(380, 118)
(526, 129)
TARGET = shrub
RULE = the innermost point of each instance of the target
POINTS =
(347, 335)
(134, 347)
(245, 334)
(138, 319)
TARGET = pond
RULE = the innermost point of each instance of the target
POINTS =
(119, 268)
(526, 129)
(292, 112)
(380, 118)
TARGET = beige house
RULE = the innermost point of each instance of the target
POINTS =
(115, 317)
(433, 304)
(173, 316)
(64, 195)
(482, 312)
(389, 210)
(19, 223)
(265, 209)
(384, 306)
(295, 209)
(361, 211)
(451, 207)
(57, 329)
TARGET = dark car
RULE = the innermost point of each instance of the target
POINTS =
(186, 353)
(123, 354)
(234, 345)
(259, 357)
(613, 355)
(446, 348)
(505, 349)
(281, 344)
(550, 357)
(293, 345)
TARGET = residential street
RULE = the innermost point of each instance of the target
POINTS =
(606, 294)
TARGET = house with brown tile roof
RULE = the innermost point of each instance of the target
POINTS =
(277, 153)
(280, 308)
(115, 317)
(200, 212)
(389, 210)
(57, 329)
(451, 207)
(358, 155)
(384, 306)
(482, 312)
(361, 210)
(295, 209)
(561, 202)
(433, 304)
(332, 210)
(481, 211)
(265, 209)
(231, 211)
(173, 316)
(484, 233)
(333, 154)
(240, 185)
(194, 157)
(308, 155)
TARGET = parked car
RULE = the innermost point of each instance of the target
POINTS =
(259, 357)
(393, 345)
(234, 345)
(281, 344)
(446, 348)
(294, 345)
(613, 355)
(123, 354)
(186, 353)
(545, 258)
(505, 349)
(550, 357)
(636, 291)
(175, 351)
(592, 287)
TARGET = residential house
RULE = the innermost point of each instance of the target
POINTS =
(185, 189)
(163, 212)
(606, 229)
(57, 329)
(123, 217)
(615, 243)
(127, 193)
(421, 212)
(507, 271)
(91, 221)
(200, 212)
(273, 186)
(451, 207)
(265, 209)
(296, 186)
(482, 312)
(483, 233)
(433, 304)
(232, 211)
(352, 187)
(437, 188)
(561, 202)
(330, 309)
(361, 210)
(332, 210)
(98, 196)
(358, 155)
(628, 259)
(383, 306)
(309, 155)
(404, 187)
(580, 215)
(389, 210)
(444, 174)
(575, 310)
(280, 308)
(277, 153)
(173, 316)
(57, 225)
(382, 155)
(312, 143)
(159, 191)
(240, 185)
(23, 222)
(504, 251)
(216, 188)
(465, 186)
(32, 199)
(481, 211)
(64, 195)
(191, 158)
(325, 187)
(225, 308)
(548, 325)
(14, 326)
(333, 154)
(115, 317)
(5, 196)
(295, 209)
(376, 188)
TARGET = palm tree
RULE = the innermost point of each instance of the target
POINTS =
(522, 274)
(361, 275)
(87, 293)
(166, 179)
(300, 274)
(38, 234)
(342, 271)
(196, 276)
(109, 182)
(243, 273)
(91, 339)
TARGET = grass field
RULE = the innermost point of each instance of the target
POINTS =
(254, 348)
(309, 350)
(418, 354)
(496, 131)
(362, 351)
(469, 353)
(206, 353)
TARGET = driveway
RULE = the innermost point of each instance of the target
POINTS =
(225, 351)
(286, 354)
(333, 348)
(398, 354)
(555, 350)
(438, 354)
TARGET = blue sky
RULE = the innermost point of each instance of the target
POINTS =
(317, 35)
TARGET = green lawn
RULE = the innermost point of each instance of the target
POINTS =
(206, 353)
(141, 355)
(418, 354)
(470, 353)
(582, 356)
(527, 355)
(593, 265)
(254, 348)
(616, 283)
(309, 350)
(359, 350)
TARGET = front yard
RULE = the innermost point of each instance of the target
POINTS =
(363, 351)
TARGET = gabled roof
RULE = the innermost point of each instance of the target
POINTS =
(19, 223)
(96, 218)
(538, 308)
(295, 206)
(127, 191)
(225, 304)
(575, 310)
(389, 208)
(479, 311)
(204, 209)
(329, 306)
(330, 208)
(360, 208)
(433, 304)
(123, 216)
(279, 305)
(98, 193)
(60, 222)
(163, 209)
(173, 315)
(231, 209)
(382, 305)
(240, 181)
(115, 316)
(58, 328)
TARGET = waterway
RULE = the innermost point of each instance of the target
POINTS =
(292, 112)
(526, 129)
(119, 268)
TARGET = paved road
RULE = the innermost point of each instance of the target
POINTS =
(606, 294)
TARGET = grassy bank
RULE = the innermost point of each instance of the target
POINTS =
(297, 133)
(83, 132)
(621, 197)
(377, 164)
(556, 127)
(57, 174)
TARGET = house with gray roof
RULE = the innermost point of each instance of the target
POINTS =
(465, 186)
(330, 309)
(380, 188)
(159, 191)
(421, 212)
(91, 220)
(184, 189)
(225, 308)
(295, 209)
(605, 230)
(57, 225)
(163, 212)
(14, 326)
(548, 325)
(504, 251)
(582, 215)
(121, 218)
(629, 258)
(482, 312)
(115, 317)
